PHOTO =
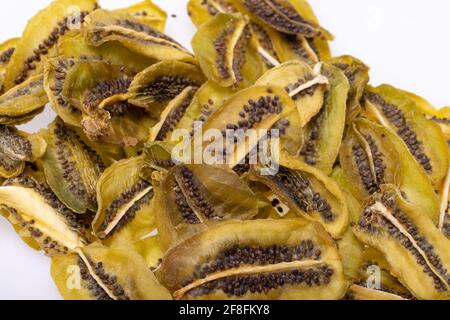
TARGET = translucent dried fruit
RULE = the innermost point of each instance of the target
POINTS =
(325, 130)
(444, 216)
(40, 218)
(104, 26)
(172, 115)
(23, 102)
(374, 274)
(124, 203)
(257, 107)
(7, 49)
(293, 47)
(74, 44)
(72, 168)
(41, 35)
(396, 110)
(283, 16)
(100, 273)
(150, 249)
(147, 12)
(442, 119)
(266, 48)
(415, 249)
(351, 251)
(356, 292)
(372, 156)
(202, 11)
(208, 99)
(192, 196)
(309, 193)
(157, 156)
(16, 149)
(241, 260)
(227, 51)
(88, 93)
(159, 84)
(357, 74)
(305, 85)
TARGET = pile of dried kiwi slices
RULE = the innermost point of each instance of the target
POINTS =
(358, 208)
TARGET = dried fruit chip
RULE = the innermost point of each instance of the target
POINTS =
(100, 273)
(241, 260)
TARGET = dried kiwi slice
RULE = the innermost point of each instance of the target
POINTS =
(444, 216)
(147, 12)
(257, 107)
(154, 87)
(40, 218)
(309, 193)
(227, 51)
(208, 99)
(356, 292)
(372, 156)
(202, 11)
(357, 74)
(72, 168)
(88, 93)
(124, 199)
(172, 115)
(306, 87)
(415, 249)
(396, 110)
(7, 49)
(16, 149)
(325, 130)
(100, 273)
(105, 26)
(241, 260)
(304, 84)
(283, 16)
(41, 35)
(191, 196)
(23, 102)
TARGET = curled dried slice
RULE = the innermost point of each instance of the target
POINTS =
(72, 168)
(147, 12)
(153, 88)
(100, 273)
(372, 156)
(227, 51)
(103, 26)
(266, 48)
(396, 110)
(124, 203)
(94, 89)
(23, 102)
(356, 292)
(309, 193)
(42, 34)
(41, 219)
(444, 216)
(282, 16)
(208, 99)
(157, 156)
(357, 74)
(172, 115)
(325, 130)
(7, 49)
(415, 249)
(294, 47)
(190, 196)
(351, 251)
(254, 109)
(75, 45)
(16, 149)
(442, 119)
(241, 260)
(202, 11)
(305, 85)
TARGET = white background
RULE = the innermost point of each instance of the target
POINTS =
(406, 43)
